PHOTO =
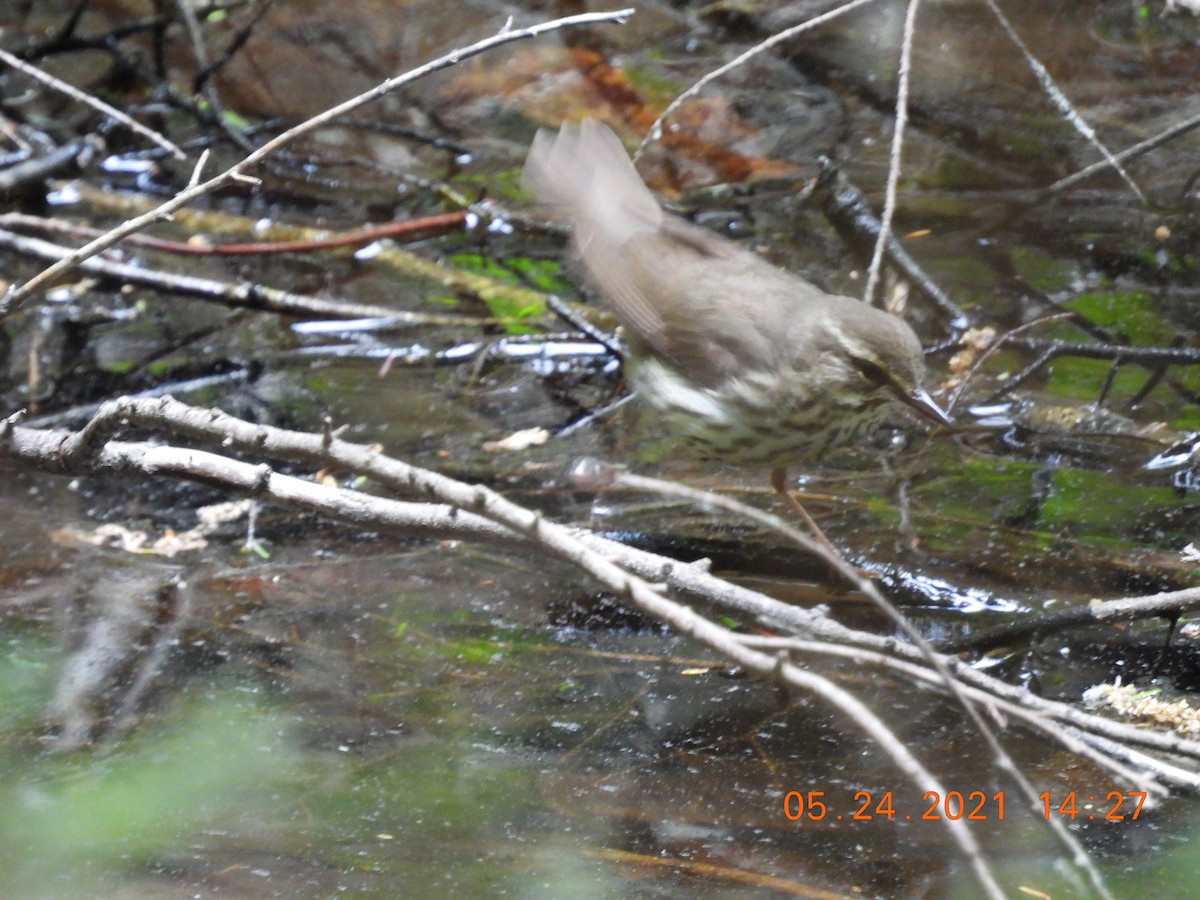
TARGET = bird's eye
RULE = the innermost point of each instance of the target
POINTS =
(870, 372)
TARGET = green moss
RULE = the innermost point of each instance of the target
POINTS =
(981, 485)
(518, 309)
(654, 88)
(1188, 420)
(1097, 504)
(503, 185)
(1041, 270)
(1132, 315)
(544, 274)
(1082, 379)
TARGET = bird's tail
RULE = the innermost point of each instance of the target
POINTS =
(583, 174)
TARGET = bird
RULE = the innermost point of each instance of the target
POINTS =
(739, 361)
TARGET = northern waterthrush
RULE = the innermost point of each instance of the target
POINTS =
(744, 363)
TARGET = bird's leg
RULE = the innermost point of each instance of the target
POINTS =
(779, 482)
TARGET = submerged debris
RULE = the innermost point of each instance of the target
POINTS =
(1145, 707)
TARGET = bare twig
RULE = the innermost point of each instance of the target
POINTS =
(88, 100)
(258, 9)
(1128, 153)
(1150, 357)
(993, 348)
(60, 451)
(1170, 603)
(1060, 100)
(655, 131)
(1032, 719)
(208, 86)
(406, 230)
(244, 294)
(474, 511)
(19, 294)
(889, 202)
(941, 670)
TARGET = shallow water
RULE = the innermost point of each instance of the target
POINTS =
(345, 712)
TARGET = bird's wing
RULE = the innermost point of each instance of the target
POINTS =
(583, 174)
(700, 302)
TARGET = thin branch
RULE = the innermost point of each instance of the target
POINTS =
(1065, 713)
(17, 295)
(1149, 357)
(1187, 356)
(1128, 153)
(1034, 720)
(894, 161)
(88, 100)
(405, 230)
(1060, 100)
(1168, 603)
(993, 348)
(245, 294)
(1004, 762)
(475, 511)
(92, 449)
(258, 9)
(655, 132)
(207, 86)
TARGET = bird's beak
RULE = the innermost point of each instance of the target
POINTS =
(920, 401)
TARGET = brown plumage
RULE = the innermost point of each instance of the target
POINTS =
(746, 363)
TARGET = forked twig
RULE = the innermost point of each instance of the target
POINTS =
(1060, 100)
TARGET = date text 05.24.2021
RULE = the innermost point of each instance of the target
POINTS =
(973, 806)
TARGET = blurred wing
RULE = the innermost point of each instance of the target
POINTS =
(584, 175)
(700, 302)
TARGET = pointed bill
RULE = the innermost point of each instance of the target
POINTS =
(920, 401)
